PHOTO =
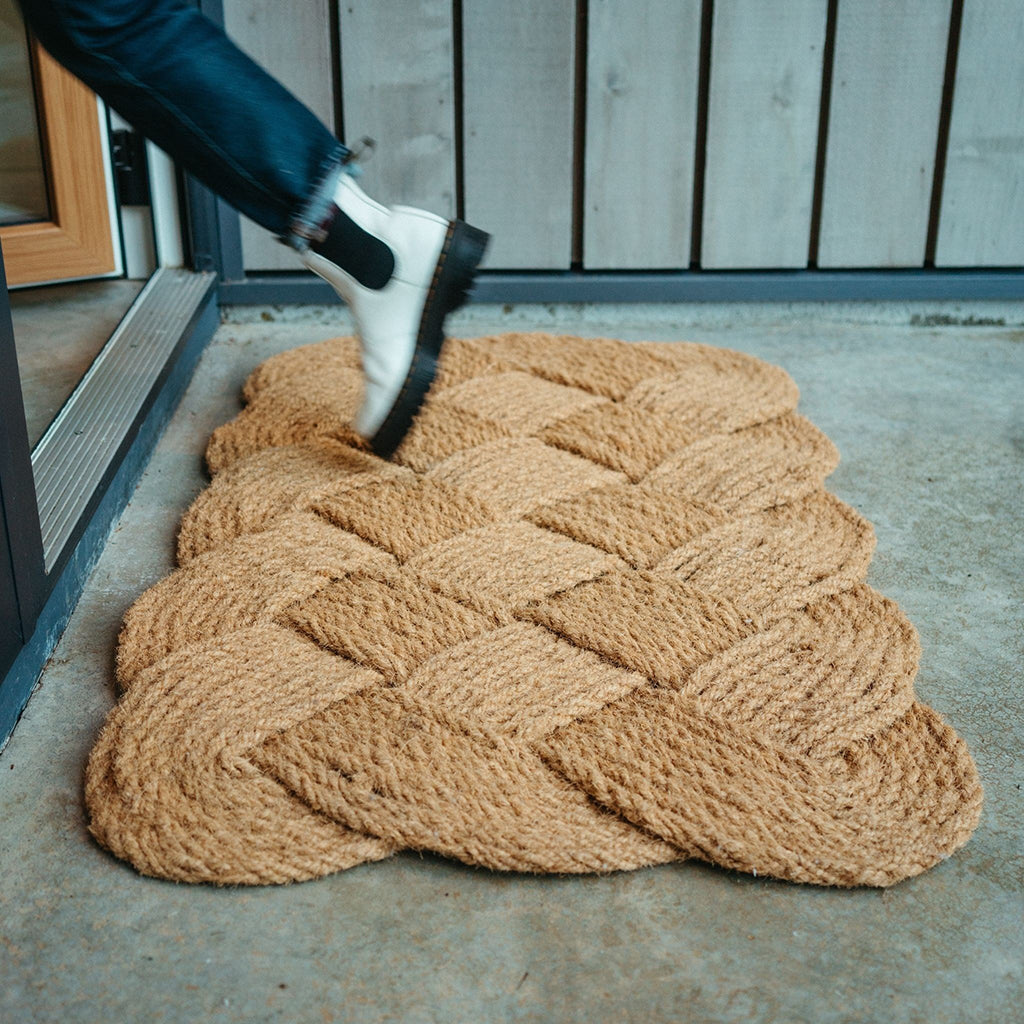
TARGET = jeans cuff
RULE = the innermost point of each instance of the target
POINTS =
(310, 223)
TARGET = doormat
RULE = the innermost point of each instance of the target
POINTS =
(598, 613)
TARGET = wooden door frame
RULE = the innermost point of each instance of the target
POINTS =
(78, 241)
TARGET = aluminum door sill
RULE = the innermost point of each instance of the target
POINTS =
(81, 444)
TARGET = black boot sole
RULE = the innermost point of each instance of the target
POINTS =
(461, 254)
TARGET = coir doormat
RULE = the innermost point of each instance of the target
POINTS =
(598, 613)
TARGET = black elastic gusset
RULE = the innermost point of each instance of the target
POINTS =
(369, 260)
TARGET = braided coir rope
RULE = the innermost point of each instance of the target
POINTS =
(598, 613)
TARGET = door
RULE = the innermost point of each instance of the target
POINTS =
(55, 200)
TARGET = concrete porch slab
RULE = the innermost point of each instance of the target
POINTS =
(926, 404)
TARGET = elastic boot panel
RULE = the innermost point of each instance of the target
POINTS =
(360, 254)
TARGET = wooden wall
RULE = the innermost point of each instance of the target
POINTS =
(667, 134)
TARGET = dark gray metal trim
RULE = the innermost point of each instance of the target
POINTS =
(17, 488)
(79, 558)
(202, 237)
(229, 225)
(82, 443)
(277, 290)
(213, 9)
(672, 286)
(12, 634)
(214, 233)
(12, 422)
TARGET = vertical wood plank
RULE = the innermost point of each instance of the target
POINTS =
(981, 221)
(642, 74)
(518, 128)
(293, 42)
(763, 108)
(397, 88)
(883, 123)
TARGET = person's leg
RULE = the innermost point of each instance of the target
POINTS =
(180, 81)
(173, 74)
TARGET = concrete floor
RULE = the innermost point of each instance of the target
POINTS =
(926, 404)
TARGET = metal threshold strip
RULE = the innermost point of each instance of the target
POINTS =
(82, 442)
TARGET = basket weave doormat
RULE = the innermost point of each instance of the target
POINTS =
(598, 613)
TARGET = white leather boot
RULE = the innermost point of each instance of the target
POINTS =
(400, 271)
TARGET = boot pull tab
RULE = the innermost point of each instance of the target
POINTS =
(362, 151)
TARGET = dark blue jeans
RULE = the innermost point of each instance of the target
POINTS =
(179, 80)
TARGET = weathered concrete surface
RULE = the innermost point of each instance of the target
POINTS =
(928, 413)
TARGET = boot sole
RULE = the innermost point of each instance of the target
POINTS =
(463, 249)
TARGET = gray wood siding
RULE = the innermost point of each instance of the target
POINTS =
(294, 42)
(517, 80)
(642, 74)
(762, 132)
(607, 177)
(883, 126)
(982, 218)
(396, 64)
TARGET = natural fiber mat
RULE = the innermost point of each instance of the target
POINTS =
(598, 613)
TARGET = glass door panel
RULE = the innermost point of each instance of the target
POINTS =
(23, 187)
(73, 236)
